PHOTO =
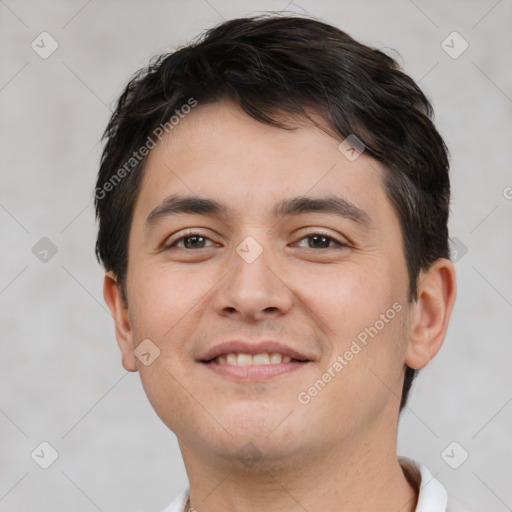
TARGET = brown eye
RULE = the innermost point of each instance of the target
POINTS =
(321, 241)
(190, 241)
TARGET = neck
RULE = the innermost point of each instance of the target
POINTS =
(360, 477)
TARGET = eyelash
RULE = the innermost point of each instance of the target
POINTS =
(192, 234)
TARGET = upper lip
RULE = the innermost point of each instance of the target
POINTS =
(244, 347)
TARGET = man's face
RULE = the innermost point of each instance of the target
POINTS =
(248, 275)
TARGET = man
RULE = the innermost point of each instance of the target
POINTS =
(273, 203)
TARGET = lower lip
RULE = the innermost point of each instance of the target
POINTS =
(254, 372)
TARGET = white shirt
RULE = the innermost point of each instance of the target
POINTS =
(432, 496)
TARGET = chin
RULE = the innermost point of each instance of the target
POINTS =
(258, 454)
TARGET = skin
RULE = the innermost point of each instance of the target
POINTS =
(337, 452)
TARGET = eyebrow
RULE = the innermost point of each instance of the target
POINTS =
(334, 205)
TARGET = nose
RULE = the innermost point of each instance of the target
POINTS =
(254, 289)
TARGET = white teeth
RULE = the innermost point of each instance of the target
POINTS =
(244, 360)
(248, 359)
(260, 359)
(276, 358)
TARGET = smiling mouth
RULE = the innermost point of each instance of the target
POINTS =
(245, 367)
(264, 358)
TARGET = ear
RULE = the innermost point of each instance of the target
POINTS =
(124, 335)
(430, 314)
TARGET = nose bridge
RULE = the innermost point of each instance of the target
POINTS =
(251, 261)
(251, 286)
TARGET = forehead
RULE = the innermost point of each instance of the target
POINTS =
(217, 150)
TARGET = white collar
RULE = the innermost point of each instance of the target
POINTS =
(432, 496)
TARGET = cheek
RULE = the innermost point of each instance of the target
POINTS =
(164, 305)
(362, 314)
(162, 298)
(360, 380)
(347, 299)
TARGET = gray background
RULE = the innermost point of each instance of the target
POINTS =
(62, 379)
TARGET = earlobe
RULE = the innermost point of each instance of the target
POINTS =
(430, 314)
(119, 311)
